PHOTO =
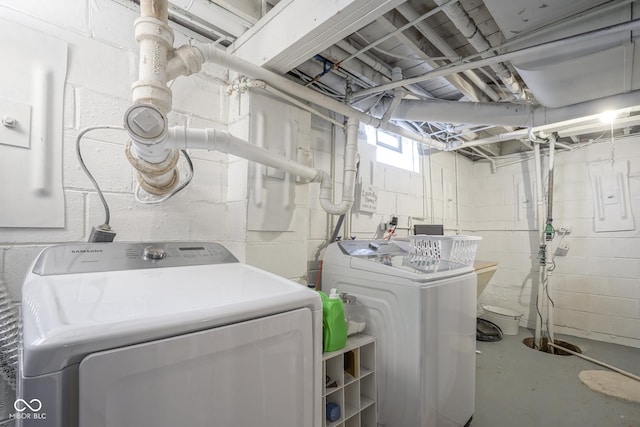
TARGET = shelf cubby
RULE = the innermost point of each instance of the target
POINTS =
(350, 382)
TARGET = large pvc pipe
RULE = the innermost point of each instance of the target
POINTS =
(155, 41)
(214, 54)
(212, 139)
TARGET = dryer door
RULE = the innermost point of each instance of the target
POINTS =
(254, 373)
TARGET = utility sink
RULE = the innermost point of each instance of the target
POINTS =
(485, 271)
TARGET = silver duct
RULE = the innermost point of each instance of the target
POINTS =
(506, 114)
(9, 337)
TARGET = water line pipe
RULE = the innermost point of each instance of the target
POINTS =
(537, 342)
(552, 147)
(492, 162)
(146, 120)
(214, 54)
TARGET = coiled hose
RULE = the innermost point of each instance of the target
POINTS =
(9, 337)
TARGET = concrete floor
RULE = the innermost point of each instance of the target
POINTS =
(520, 387)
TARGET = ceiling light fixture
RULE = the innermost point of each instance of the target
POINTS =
(608, 116)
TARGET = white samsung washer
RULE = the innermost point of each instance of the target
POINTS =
(166, 334)
(423, 315)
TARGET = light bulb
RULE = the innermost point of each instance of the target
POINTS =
(608, 116)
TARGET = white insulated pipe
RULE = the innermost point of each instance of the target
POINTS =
(552, 148)
(214, 54)
(222, 141)
(541, 270)
(504, 114)
(218, 140)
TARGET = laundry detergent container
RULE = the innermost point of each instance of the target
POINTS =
(507, 319)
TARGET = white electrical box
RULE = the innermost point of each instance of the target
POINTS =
(31, 121)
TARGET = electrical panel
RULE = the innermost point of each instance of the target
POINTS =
(31, 108)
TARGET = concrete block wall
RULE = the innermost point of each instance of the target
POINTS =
(596, 286)
(102, 64)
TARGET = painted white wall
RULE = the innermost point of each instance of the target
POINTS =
(596, 286)
(102, 65)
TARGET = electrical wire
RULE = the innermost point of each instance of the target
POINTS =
(81, 134)
(155, 201)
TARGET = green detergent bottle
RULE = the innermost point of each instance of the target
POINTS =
(334, 324)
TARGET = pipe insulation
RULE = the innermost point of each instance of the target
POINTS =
(214, 54)
(9, 337)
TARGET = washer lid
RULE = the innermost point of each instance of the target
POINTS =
(67, 316)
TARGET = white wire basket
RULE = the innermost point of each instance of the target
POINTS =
(458, 249)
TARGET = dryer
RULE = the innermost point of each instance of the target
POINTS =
(423, 315)
(165, 334)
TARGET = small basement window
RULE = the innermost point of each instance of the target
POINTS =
(394, 150)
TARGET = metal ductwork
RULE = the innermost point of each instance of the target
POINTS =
(503, 114)
(565, 75)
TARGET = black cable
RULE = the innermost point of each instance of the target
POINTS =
(79, 137)
(336, 230)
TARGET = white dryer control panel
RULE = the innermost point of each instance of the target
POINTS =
(83, 258)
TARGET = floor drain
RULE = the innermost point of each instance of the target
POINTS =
(545, 348)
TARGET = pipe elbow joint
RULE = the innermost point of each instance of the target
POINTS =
(186, 60)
